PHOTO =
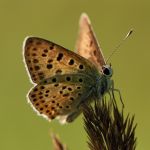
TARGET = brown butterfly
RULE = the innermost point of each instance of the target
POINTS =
(63, 80)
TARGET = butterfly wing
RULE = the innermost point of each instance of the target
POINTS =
(62, 97)
(45, 59)
(64, 79)
(87, 45)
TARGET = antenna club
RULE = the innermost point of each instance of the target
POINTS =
(129, 33)
(121, 42)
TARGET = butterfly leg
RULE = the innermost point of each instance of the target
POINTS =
(116, 90)
(71, 117)
(85, 99)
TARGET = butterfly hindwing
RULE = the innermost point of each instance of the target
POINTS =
(60, 98)
(87, 44)
(45, 59)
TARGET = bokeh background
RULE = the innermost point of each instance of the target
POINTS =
(55, 20)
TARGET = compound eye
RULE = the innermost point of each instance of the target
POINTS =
(106, 71)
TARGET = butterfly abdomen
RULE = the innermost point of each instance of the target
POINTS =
(101, 87)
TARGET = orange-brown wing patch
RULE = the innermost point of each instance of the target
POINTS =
(87, 45)
(45, 59)
(59, 99)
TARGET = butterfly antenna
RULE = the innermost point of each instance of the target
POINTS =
(121, 42)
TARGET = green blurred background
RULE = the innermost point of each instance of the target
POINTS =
(57, 20)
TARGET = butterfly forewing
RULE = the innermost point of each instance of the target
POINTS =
(87, 45)
(45, 59)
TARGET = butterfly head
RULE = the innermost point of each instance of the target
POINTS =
(107, 70)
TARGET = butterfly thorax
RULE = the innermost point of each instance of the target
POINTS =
(103, 83)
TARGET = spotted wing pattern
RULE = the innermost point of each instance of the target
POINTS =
(63, 79)
(62, 97)
(45, 59)
(87, 45)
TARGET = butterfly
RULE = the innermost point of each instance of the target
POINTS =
(63, 80)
